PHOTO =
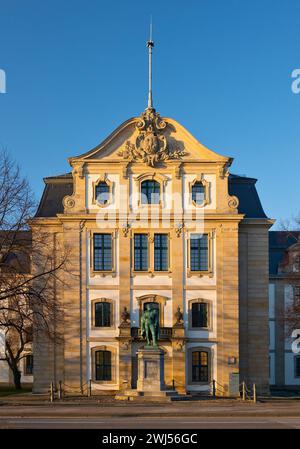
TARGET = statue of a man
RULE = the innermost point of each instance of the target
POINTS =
(150, 325)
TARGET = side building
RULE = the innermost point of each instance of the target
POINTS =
(284, 301)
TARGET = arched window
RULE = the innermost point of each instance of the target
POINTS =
(200, 366)
(102, 193)
(199, 314)
(150, 192)
(102, 313)
(103, 365)
(198, 193)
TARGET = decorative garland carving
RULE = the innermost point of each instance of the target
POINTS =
(151, 145)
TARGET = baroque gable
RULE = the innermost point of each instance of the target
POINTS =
(151, 140)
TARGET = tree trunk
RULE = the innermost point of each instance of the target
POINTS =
(17, 378)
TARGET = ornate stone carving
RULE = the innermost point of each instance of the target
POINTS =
(124, 345)
(151, 145)
(179, 316)
(125, 316)
(68, 202)
(179, 229)
(178, 345)
(223, 171)
(233, 202)
(125, 229)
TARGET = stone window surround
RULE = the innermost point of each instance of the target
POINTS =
(208, 272)
(110, 184)
(151, 270)
(209, 303)
(206, 185)
(158, 177)
(161, 300)
(26, 353)
(210, 358)
(113, 351)
(112, 314)
(111, 272)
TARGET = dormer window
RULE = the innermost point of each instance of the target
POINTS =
(198, 193)
(150, 192)
(102, 193)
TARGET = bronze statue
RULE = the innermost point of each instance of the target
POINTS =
(150, 325)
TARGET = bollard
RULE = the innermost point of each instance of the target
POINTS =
(90, 388)
(60, 390)
(214, 388)
(244, 391)
(173, 384)
(254, 394)
(51, 392)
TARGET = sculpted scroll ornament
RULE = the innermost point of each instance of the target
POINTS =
(151, 145)
(68, 202)
(233, 202)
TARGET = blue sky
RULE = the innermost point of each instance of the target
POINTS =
(77, 69)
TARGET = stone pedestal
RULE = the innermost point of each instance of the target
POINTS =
(150, 383)
(150, 370)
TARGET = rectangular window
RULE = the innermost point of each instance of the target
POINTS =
(297, 365)
(199, 366)
(199, 253)
(199, 314)
(102, 252)
(29, 365)
(161, 252)
(102, 314)
(140, 252)
(103, 365)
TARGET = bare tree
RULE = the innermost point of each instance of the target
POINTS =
(27, 301)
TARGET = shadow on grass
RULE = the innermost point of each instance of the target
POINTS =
(6, 391)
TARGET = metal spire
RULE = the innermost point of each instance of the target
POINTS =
(150, 45)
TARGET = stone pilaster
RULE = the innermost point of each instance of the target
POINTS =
(72, 305)
(177, 256)
(227, 304)
(254, 305)
(125, 357)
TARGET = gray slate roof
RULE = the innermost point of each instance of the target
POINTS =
(249, 202)
(56, 188)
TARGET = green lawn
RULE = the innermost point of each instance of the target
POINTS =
(5, 391)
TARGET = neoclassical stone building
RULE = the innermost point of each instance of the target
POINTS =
(153, 216)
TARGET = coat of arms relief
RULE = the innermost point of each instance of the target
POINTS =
(151, 145)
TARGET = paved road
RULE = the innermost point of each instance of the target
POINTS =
(150, 422)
